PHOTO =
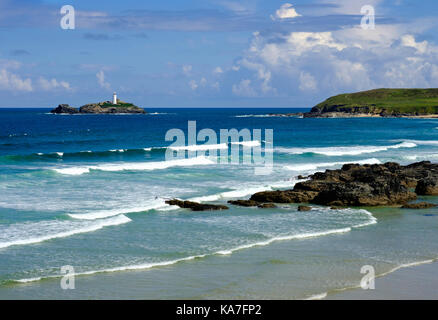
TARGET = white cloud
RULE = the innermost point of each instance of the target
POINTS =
(187, 69)
(286, 11)
(244, 89)
(193, 85)
(13, 82)
(321, 64)
(307, 82)
(101, 80)
(48, 85)
(408, 40)
(218, 70)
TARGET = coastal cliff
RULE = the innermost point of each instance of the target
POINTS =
(379, 103)
(106, 107)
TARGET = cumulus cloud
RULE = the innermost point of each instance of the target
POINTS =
(286, 11)
(52, 84)
(320, 64)
(307, 82)
(244, 89)
(218, 70)
(408, 40)
(193, 85)
(12, 82)
(187, 69)
(101, 80)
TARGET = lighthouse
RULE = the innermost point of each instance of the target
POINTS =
(114, 98)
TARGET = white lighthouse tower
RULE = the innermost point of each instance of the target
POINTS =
(114, 98)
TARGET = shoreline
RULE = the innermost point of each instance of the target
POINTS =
(415, 281)
(341, 115)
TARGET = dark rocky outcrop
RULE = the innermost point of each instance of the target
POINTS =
(360, 185)
(267, 206)
(106, 107)
(252, 203)
(427, 186)
(244, 203)
(64, 108)
(304, 208)
(419, 205)
(195, 206)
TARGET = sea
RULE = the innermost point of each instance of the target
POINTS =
(83, 212)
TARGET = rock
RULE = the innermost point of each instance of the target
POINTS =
(251, 203)
(195, 206)
(419, 205)
(267, 205)
(287, 196)
(304, 208)
(108, 108)
(244, 203)
(360, 185)
(427, 187)
(64, 108)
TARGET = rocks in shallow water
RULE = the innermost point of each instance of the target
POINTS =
(252, 203)
(360, 185)
(244, 203)
(304, 208)
(419, 205)
(195, 206)
(287, 196)
(267, 205)
(64, 108)
(427, 187)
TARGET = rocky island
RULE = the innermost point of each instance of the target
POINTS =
(408, 103)
(106, 107)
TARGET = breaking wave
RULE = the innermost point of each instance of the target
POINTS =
(344, 151)
(36, 232)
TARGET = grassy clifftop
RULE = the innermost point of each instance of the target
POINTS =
(385, 102)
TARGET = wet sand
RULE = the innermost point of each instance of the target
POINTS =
(412, 283)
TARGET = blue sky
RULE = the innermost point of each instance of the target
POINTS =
(212, 53)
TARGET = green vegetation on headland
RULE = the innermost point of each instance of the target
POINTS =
(379, 102)
(106, 107)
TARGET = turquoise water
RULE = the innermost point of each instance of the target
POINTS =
(89, 190)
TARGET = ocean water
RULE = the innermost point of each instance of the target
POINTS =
(88, 191)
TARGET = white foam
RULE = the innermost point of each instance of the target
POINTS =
(73, 170)
(124, 268)
(254, 143)
(230, 194)
(36, 232)
(60, 153)
(114, 212)
(422, 142)
(284, 238)
(319, 296)
(137, 166)
(314, 166)
(344, 151)
(199, 147)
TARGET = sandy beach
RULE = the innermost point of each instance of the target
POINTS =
(411, 283)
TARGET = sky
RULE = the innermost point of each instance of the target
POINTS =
(213, 53)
